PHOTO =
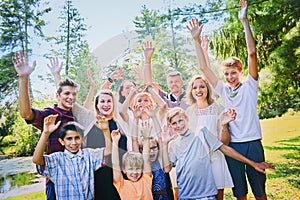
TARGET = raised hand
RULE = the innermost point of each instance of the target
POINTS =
(115, 136)
(102, 123)
(228, 116)
(195, 29)
(139, 73)
(49, 124)
(117, 74)
(244, 10)
(54, 66)
(167, 135)
(148, 51)
(137, 112)
(20, 62)
(146, 129)
(90, 78)
(150, 110)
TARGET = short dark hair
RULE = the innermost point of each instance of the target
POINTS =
(66, 82)
(70, 126)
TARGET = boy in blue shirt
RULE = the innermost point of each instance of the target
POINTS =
(72, 171)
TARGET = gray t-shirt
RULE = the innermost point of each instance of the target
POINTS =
(190, 155)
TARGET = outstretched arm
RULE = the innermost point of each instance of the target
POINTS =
(251, 48)
(49, 127)
(196, 30)
(23, 69)
(160, 102)
(115, 75)
(148, 52)
(166, 136)
(115, 135)
(102, 124)
(226, 117)
(146, 130)
(139, 73)
(205, 44)
(89, 98)
(228, 151)
(126, 104)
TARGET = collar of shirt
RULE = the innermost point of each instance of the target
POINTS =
(174, 98)
(64, 112)
(73, 155)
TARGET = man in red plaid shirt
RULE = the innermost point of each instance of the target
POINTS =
(66, 97)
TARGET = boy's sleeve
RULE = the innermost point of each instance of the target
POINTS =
(253, 83)
(211, 140)
(172, 156)
(97, 157)
(50, 165)
(38, 119)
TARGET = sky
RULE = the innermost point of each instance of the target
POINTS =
(104, 18)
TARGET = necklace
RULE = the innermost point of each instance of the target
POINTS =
(235, 91)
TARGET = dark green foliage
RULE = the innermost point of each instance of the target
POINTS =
(275, 25)
(18, 20)
(8, 81)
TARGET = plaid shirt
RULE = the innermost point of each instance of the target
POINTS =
(38, 121)
(73, 174)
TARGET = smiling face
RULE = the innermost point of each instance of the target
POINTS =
(133, 165)
(199, 90)
(133, 173)
(142, 101)
(67, 97)
(179, 124)
(232, 76)
(175, 85)
(105, 105)
(72, 141)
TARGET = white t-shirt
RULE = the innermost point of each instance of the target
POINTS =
(246, 126)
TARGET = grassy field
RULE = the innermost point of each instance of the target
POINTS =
(281, 140)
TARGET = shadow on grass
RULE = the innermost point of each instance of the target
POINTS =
(291, 168)
(295, 139)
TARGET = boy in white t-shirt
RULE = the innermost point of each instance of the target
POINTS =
(245, 131)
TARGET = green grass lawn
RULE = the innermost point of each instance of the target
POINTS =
(281, 140)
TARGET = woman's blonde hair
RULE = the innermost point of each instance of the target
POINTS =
(143, 94)
(189, 96)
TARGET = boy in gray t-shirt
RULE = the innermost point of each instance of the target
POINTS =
(189, 152)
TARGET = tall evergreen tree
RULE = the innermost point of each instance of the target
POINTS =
(71, 36)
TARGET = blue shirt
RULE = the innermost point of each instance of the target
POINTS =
(73, 174)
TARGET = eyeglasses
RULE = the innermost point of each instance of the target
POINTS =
(154, 148)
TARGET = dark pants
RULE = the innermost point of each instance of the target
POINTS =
(50, 191)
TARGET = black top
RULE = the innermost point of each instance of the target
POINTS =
(104, 188)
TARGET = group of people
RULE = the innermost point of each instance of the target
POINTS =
(126, 149)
